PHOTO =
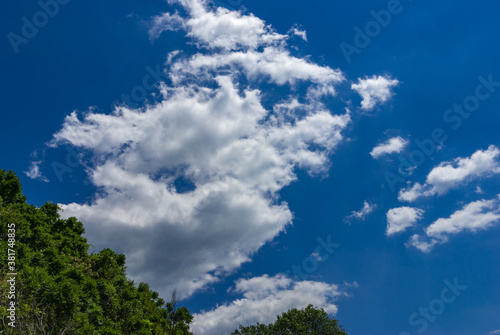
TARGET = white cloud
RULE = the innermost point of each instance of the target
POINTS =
(362, 213)
(399, 219)
(273, 63)
(374, 90)
(418, 242)
(236, 146)
(301, 33)
(165, 22)
(395, 144)
(242, 43)
(35, 173)
(450, 175)
(221, 28)
(479, 190)
(263, 299)
(418, 190)
(494, 332)
(475, 216)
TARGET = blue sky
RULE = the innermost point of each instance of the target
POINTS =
(262, 156)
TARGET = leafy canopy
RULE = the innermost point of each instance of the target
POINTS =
(64, 289)
(307, 321)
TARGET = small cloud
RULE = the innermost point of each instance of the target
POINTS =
(316, 256)
(296, 31)
(374, 90)
(411, 194)
(399, 219)
(417, 242)
(395, 144)
(450, 175)
(475, 216)
(35, 173)
(362, 213)
(494, 332)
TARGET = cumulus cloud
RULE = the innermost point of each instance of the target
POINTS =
(450, 175)
(264, 298)
(374, 90)
(217, 29)
(392, 145)
(362, 213)
(216, 130)
(475, 216)
(399, 219)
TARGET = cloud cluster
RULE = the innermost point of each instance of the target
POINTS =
(216, 133)
(477, 215)
(264, 298)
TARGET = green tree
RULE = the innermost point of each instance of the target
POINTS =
(309, 320)
(64, 289)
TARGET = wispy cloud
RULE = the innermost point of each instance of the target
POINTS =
(298, 32)
(362, 213)
(35, 173)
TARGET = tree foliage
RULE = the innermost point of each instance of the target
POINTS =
(310, 321)
(64, 289)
